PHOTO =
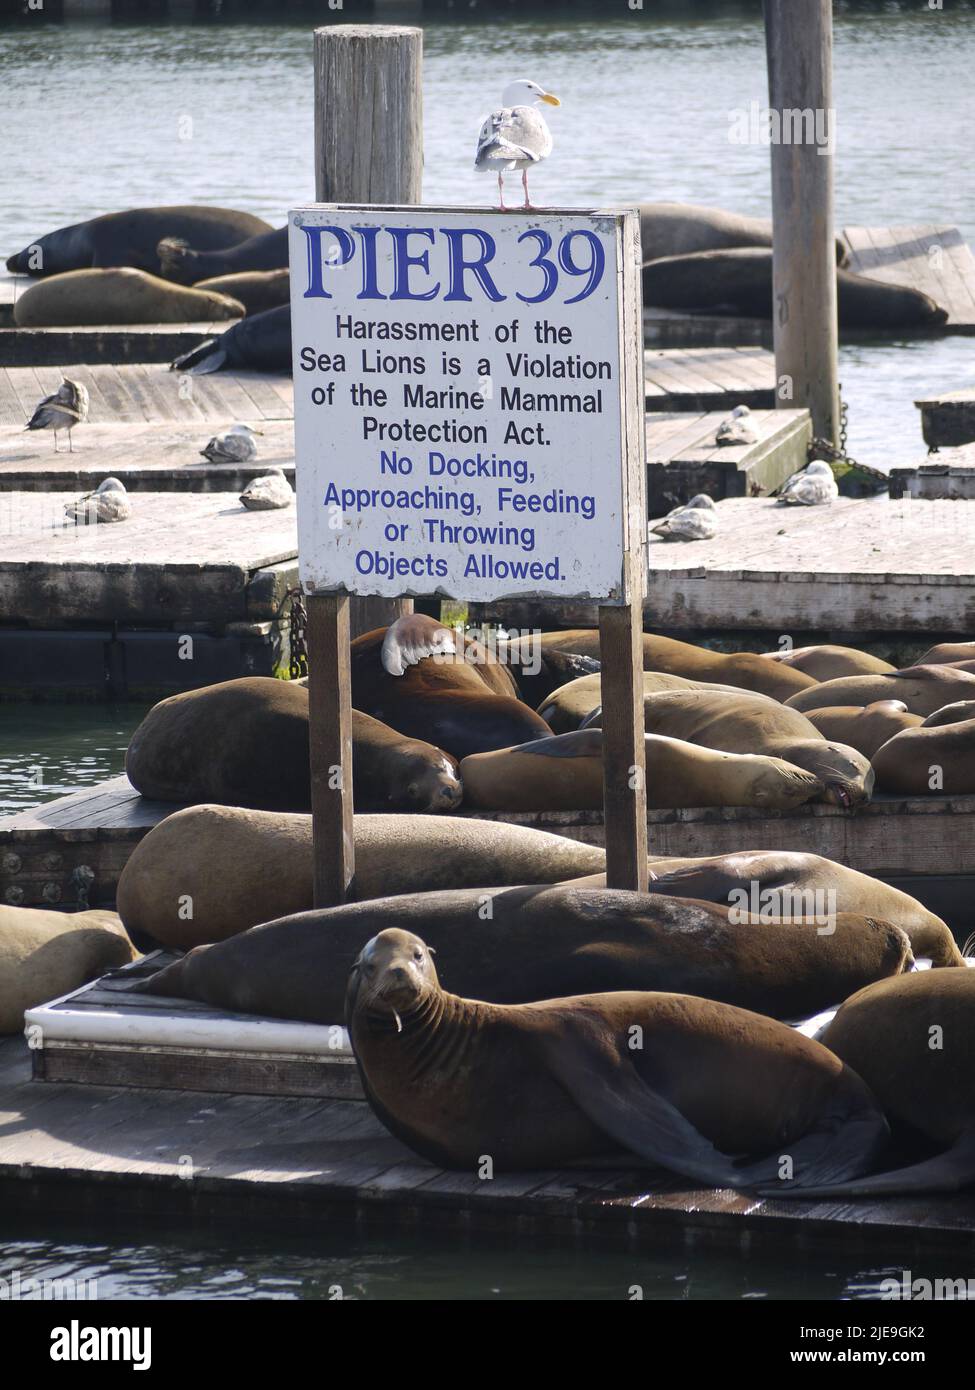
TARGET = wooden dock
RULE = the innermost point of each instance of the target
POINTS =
(948, 420)
(921, 839)
(709, 378)
(948, 475)
(302, 1162)
(683, 458)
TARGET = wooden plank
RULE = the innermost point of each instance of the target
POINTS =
(624, 749)
(330, 746)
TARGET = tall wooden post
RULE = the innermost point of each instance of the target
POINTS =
(799, 49)
(368, 149)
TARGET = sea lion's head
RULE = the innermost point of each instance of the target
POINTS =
(393, 974)
(847, 775)
(423, 783)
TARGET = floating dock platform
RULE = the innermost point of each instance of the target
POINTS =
(683, 458)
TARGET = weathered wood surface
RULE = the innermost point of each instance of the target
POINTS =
(933, 259)
(683, 458)
(709, 378)
(179, 557)
(948, 475)
(145, 392)
(129, 343)
(948, 420)
(307, 1161)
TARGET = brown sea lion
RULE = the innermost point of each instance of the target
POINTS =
(245, 743)
(913, 1042)
(923, 689)
(208, 872)
(565, 773)
(826, 663)
(676, 229)
(932, 758)
(257, 290)
(946, 652)
(863, 727)
(571, 706)
(120, 295)
(185, 260)
(955, 713)
(668, 1078)
(515, 945)
(46, 954)
(745, 670)
(131, 238)
(746, 723)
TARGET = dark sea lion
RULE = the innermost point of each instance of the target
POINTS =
(565, 773)
(257, 290)
(268, 250)
(923, 689)
(746, 723)
(540, 1085)
(539, 672)
(234, 868)
(863, 727)
(131, 238)
(826, 663)
(260, 341)
(931, 758)
(572, 706)
(738, 281)
(46, 954)
(517, 945)
(675, 229)
(746, 670)
(946, 652)
(245, 743)
(913, 1042)
(121, 295)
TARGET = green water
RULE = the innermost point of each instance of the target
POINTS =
(51, 750)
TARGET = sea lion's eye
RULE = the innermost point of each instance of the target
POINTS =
(418, 954)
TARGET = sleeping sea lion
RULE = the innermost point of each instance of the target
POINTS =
(571, 706)
(946, 652)
(235, 867)
(121, 295)
(257, 290)
(923, 689)
(268, 250)
(565, 773)
(46, 954)
(516, 945)
(260, 341)
(676, 229)
(540, 1085)
(863, 727)
(826, 663)
(131, 238)
(937, 757)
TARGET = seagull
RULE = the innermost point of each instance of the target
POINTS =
(235, 445)
(815, 486)
(109, 502)
(737, 429)
(268, 493)
(516, 136)
(62, 411)
(698, 521)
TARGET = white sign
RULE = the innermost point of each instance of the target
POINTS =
(460, 401)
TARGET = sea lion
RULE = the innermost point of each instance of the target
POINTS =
(572, 705)
(676, 229)
(260, 341)
(517, 945)
(913, 1042)
(746, 670)
(946, 652)
(268, 250)
(565, 773)
(541, 1085)
(131, 238)
(746, 723)
(826, 663)
(863, 727)
(738, 281)
(931, 758)
(955, 713)
(46, 954)
(233, 868)
(463, 700)
(121, 295)
(923, 689)
(244, 743)
(257, 290)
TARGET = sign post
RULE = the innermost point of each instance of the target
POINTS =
(469, 423)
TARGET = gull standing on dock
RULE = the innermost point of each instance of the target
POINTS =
(516, 137)
(235, 445)
(109, 502)
(66, 408)
(815, 486)
(698, 521)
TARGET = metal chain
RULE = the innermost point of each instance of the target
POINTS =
(297, 620)
(826, 449)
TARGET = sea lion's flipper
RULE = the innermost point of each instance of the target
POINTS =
(838, 1149)
(208, 357)
(610, 1091)
(950, 1171)
(411, 638)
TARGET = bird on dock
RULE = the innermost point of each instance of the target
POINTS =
(815, 486)
(737, 429)
(67, 407)
(268, 493)
(697, 521)
(516, 137)
(236, 445)
(109, 502)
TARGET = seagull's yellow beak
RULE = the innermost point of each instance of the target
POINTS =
(552, 100)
